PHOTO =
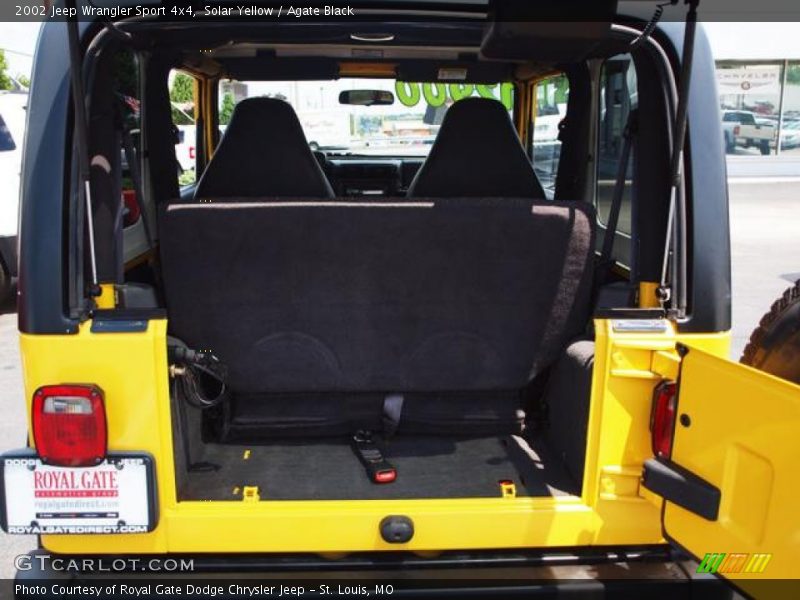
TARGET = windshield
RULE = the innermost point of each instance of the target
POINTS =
(407, 127)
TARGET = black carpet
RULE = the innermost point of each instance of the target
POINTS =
(428, 467)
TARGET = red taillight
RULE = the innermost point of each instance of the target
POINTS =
(737, 130)
(69, 425)
(662, 418)
(132, 213)
(191, 152)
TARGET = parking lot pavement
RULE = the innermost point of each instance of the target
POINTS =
(765, 219)
(12, 426)
(785, 166)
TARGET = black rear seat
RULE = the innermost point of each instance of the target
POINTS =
(321, 309)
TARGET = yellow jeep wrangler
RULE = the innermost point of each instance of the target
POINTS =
(441, 285)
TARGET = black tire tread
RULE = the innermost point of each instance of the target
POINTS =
(779, 307)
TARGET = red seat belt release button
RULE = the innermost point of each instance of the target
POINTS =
(384, 475)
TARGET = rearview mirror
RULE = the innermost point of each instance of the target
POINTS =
(366, 97)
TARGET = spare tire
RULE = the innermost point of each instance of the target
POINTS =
(774, 346)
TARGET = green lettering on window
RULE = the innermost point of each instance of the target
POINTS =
(437, 94)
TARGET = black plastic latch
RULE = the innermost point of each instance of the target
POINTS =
(397, 529)
(682, 487)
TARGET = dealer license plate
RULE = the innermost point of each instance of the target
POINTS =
(116, 496)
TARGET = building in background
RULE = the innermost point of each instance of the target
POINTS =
(758, 76)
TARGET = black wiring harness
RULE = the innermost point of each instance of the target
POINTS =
(199, 376)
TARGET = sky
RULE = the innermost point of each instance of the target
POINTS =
(19, 42)
(729, 41)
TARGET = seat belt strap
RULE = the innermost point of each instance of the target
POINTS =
(130, 156)
(379, 470)
(606, 252)
(392, 412)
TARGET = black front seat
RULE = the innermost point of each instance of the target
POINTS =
(263, 154)
(477, 152)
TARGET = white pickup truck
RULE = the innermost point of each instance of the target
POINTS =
(12, 128)
(742, 128)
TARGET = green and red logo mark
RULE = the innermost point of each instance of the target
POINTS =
(722, 563)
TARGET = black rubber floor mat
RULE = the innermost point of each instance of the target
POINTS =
(427, 467)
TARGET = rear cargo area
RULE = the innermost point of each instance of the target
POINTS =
(438, 325)
(454, 345)
(427, 467)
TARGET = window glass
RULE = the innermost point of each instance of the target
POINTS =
(750, 96)
(552, 95)
(182, 98)
(407, 127)
(127, 89)
(618, 97)
(790, 132)
(6, 141)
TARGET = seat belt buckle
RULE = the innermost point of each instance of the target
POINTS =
(379, 470)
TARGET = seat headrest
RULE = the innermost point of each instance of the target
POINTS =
(263, 153)
(477, 152)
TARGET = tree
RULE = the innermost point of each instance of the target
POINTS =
(182, 88)
(23, 80)
(182, 92)
(5, 80)
(126, 74)
(793, 75)
(225, 112)
(181, 118)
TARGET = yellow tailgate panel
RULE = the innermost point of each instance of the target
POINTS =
(613, 508)
(742, 436)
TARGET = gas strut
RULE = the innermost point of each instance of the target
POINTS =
(81, 135)
(676, 236)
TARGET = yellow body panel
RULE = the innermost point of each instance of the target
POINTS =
(131, 369)
(106, 298)
(647, 294)
(744, 438)
(614, 509)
